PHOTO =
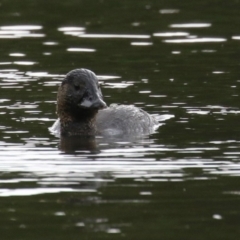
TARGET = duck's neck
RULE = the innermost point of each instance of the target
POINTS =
(72, 126)
(78, 128)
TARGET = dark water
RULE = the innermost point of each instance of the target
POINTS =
(173, 58)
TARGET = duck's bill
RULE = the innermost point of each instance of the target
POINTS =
(97, 104)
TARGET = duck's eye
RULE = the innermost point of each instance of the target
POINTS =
(77, 88)
(78, 85)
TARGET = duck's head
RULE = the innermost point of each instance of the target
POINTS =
(79, 96)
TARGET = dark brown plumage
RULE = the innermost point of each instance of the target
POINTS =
(78, 101)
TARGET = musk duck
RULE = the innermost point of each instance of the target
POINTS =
(82, 111)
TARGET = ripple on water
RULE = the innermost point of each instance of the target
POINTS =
(113, 36)
(36, 191)
(81, 50)
(195, 40)
(39, 161)
(72, 31)
(171, 34)
(141, 43)
(190, 25)
(169, 11)
(17, 55)
(47, 167)
(20, 31)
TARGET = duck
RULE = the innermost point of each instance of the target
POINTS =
(82, 110)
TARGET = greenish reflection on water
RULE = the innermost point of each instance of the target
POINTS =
(126, 209)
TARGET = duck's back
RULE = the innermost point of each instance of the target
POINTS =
(125, 119)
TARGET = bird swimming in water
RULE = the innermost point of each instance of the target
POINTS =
(82, 111)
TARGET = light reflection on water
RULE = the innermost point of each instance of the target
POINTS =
(191, 25)
(49, 167)
(20, 31)
(196, 40)
(39, 160)
(113, 36)
(81, 50)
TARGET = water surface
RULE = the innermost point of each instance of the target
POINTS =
(170, 58)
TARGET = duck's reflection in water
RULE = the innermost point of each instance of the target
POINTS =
(72, 144)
